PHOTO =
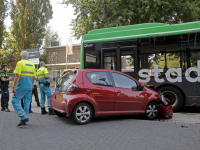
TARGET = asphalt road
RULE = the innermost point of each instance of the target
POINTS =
(129, 132)
(46, 132)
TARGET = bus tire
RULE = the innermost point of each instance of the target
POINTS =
(174, 95)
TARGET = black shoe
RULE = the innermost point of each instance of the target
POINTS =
(23, 122)
(38, 104)
(2, 109)
(43, 111)
(30, 111)
(7, 110)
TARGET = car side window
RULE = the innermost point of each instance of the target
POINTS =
(99, 78)
(122, 81)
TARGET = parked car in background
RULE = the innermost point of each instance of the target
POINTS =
(83, 94)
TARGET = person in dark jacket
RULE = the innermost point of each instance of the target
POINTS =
(4, 89)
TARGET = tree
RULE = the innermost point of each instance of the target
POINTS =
(3, 15)
(49, 37)
(7, 53)
(96, 14)
(29, 20)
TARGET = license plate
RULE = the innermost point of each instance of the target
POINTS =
(59, 97)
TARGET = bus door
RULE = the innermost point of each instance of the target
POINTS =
(123, 59)
(109, 58)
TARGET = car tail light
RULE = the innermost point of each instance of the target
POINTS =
(72, 88)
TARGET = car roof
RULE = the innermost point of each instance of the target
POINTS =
(91, 70)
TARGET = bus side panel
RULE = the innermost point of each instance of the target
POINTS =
(190, 91)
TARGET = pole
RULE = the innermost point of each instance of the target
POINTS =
(66, 60)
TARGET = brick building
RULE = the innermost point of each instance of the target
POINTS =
(56, 59)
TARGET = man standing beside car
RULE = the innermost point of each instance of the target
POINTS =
(22, 87)
(45, 90)
(4, 89)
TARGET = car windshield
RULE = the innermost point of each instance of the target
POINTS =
(65, 81)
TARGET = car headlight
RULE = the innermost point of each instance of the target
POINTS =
(162, 99)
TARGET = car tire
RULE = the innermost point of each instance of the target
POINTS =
(174, 95)
(59, 114)
(151, 111)
(82, 113)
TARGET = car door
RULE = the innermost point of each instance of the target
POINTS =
(128, 98)
(98, 86)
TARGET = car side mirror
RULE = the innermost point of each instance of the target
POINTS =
(140, 87)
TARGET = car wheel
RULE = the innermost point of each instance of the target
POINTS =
(151, 111)
(59, 114)
(174, 95)
(82, 113)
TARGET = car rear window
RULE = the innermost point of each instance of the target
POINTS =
(99, 78)
(64, 82)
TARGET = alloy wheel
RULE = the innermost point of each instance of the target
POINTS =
(83, 114)
(152, 111)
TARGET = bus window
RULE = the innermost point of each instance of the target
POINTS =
(166, 54)
(194, 53)
(92, 59)
(194, 56)
(151, 56)
(194, 41)
(127, 61)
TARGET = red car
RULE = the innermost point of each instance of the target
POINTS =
(83, 94)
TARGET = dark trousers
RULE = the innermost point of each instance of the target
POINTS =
(4, 97)
(35, 93)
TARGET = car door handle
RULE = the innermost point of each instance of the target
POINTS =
(118, 91)
(88, 89)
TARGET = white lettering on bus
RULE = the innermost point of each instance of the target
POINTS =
(144, 73)
(88, 45)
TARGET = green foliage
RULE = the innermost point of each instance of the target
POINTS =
(43, 55)
(96, 14)
(50, 36)
(3, 14)
(172, 60)
(7, 52)
(29, 21)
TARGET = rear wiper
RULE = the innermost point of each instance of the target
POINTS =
(58, 85)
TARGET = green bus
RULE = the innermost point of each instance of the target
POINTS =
(159, 54)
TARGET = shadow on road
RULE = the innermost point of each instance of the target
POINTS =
(189, 109)
(69, 121)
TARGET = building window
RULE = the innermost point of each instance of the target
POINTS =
(56, 56)
(56, 52)
(56, 61)
(49, 53)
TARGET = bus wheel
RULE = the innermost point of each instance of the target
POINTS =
(174, 95)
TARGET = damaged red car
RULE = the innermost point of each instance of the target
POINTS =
(84, 94)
